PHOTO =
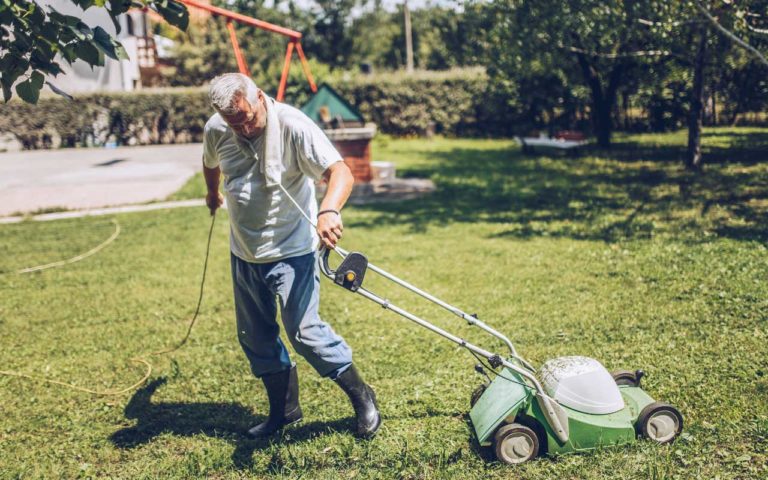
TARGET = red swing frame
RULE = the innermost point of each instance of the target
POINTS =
(294, 42)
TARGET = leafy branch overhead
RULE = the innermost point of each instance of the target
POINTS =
(34, 39)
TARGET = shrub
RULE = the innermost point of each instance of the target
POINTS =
(134, 118)
(452, 103)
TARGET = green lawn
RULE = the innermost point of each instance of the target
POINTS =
(619, 255)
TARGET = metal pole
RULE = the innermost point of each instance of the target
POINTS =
(459, 313)
(408, 39)
(460, 341)
(286, 68)
(305, 66)
(241, 65)
(294, 35)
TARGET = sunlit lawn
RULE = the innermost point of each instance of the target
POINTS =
(619, 255)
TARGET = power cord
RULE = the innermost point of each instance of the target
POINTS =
(139, 359)
(498, 374)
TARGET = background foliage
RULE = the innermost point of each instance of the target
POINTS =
(595, 66)
(452, 102)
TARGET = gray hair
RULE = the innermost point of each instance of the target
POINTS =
(227, 89)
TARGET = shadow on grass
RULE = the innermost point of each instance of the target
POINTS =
(635, 190)
(486, 454)
(227, 421)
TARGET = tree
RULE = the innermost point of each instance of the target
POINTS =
(741, 84)
(696, 116)
(328, 36)
(201, 53)
(446, 38)
(713, 28)
(34, 38)
(729, 19)
(599, 39)
(375, 32)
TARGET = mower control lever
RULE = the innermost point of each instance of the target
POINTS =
(350, 272)
(327, 270)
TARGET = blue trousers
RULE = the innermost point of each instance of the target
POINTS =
(295, 284)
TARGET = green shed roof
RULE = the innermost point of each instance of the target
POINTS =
(337, 106)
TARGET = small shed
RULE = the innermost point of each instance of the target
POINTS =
(345, 127)
(330, 110)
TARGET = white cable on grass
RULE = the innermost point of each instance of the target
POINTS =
(77, 258)
(141, 359)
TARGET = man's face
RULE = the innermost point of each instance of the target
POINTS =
(250, 119)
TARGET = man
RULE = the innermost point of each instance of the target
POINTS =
(270, 153)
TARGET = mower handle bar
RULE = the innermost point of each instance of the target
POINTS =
(553, 412)
(471, 319)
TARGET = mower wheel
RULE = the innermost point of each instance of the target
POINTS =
(476, 394)
(625, 377)
(515, 443)
(659, 422)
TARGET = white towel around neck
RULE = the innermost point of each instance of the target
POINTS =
(272, 167)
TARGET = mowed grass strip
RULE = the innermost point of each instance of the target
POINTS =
(620, 255)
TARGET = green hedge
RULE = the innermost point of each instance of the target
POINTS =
(133, 118)
(458, 103)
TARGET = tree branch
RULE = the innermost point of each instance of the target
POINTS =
(640, 53)
(763, 31)
(651, 23)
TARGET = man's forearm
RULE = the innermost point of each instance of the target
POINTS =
(213, 199)
(212, 178)
(340, 181)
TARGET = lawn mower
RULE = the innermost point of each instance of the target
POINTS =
(571, 404)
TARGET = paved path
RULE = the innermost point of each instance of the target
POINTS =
(86, 178)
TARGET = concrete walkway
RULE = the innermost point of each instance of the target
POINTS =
(88, 178)
(99, 181)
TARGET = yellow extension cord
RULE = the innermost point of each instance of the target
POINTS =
(139, 359)
(78, 257)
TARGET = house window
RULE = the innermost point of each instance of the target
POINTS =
(129, 24)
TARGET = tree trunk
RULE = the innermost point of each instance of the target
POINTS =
(734, 116)
(601, 118)
(626, 107)
(603, 99)
(693, 160)
(739, 107)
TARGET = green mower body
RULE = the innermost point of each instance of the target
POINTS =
(508, 401)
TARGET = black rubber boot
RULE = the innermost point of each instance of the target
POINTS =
(283, 393)
(363, 401)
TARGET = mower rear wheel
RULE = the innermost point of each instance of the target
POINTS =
(625, 377)
(659, 422)
(515, 444)
(476, 394)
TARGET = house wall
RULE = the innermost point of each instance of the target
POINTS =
(115, 75)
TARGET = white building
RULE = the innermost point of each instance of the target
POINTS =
(115, 75)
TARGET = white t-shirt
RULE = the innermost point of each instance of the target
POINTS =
(265, 225)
